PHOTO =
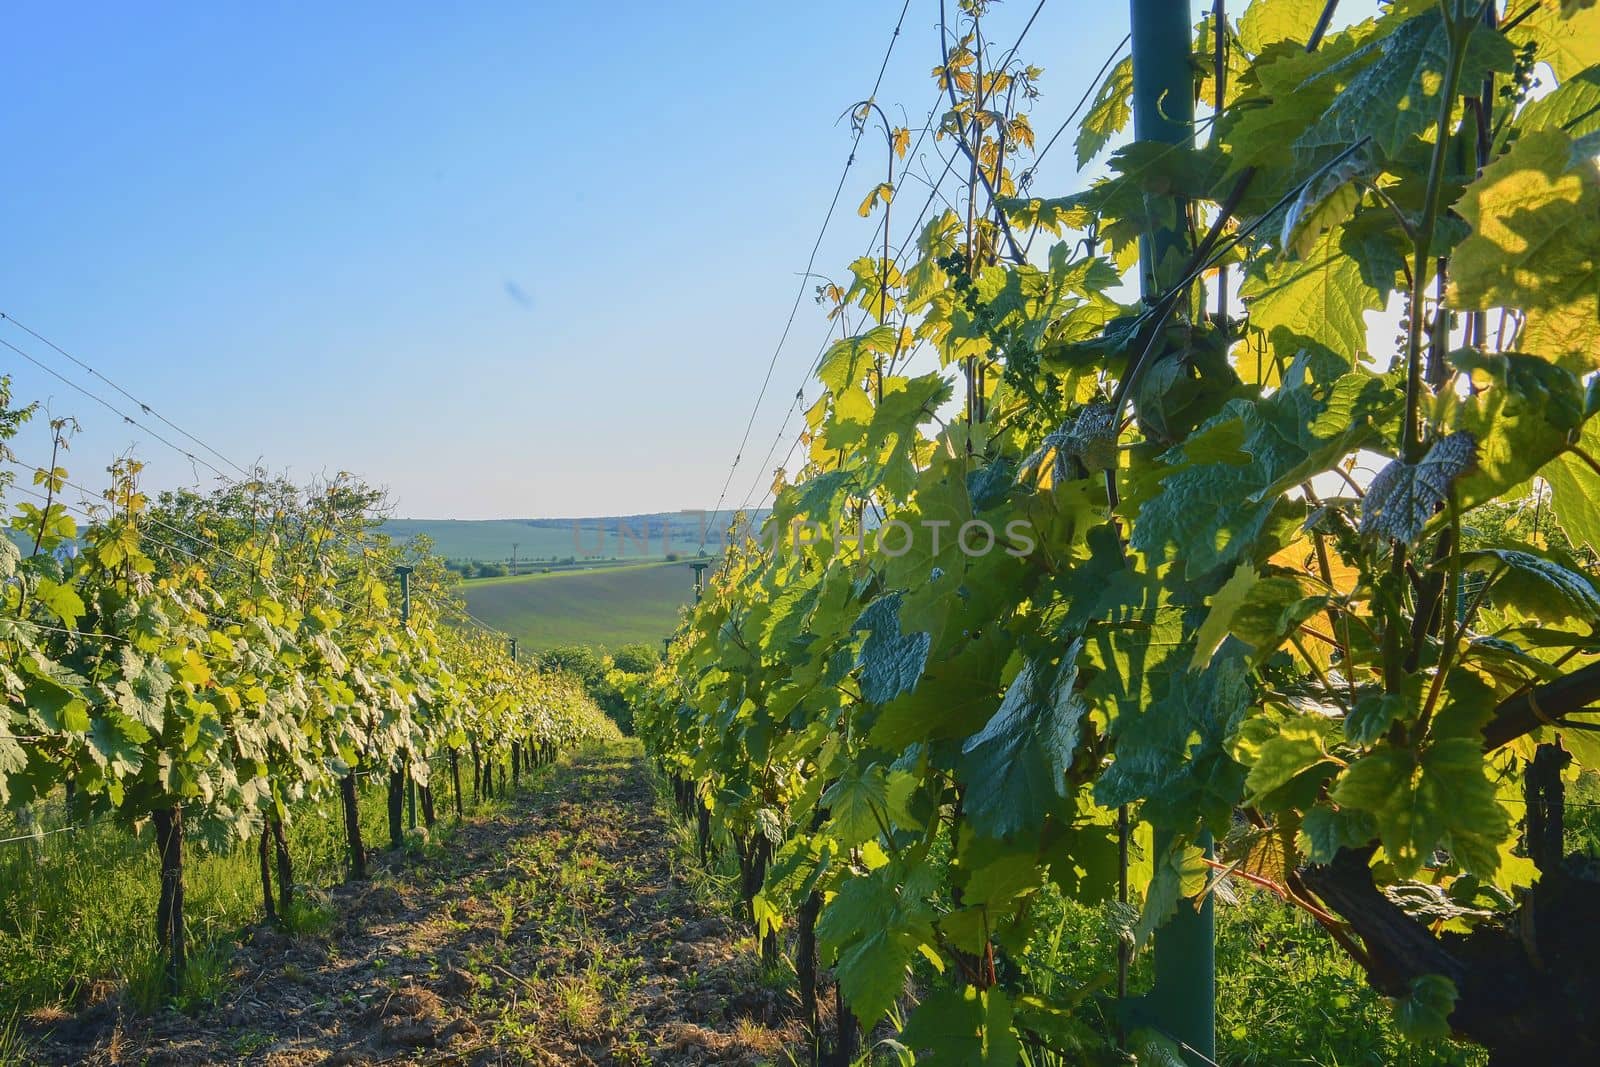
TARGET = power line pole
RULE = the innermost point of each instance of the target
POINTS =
(1182, 1003)
(513, 565)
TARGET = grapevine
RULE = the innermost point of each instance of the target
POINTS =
(1261, 599)
(212, 664)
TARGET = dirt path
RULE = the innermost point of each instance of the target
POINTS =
(563, 931)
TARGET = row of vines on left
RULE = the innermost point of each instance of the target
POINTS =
(209, 663)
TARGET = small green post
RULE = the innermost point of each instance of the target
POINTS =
(1182, 1005)
(699, 579)
(513, 641)
(404, 573)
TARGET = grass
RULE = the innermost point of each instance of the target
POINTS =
(77, 910)
(606, 607)
(556, 573)
(1286, 996)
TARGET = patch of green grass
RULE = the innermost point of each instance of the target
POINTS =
(77, 909)
(606, 607)
(14, 1050)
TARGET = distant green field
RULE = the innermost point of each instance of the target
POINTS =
(608, 606)
(639, 537)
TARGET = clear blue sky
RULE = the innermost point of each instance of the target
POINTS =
(507, 259)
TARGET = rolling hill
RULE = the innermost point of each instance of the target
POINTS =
(637, 537)
(605, 606)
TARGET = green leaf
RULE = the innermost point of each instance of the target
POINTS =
(1395, 97)
(1017, 764)
(1322, 206)
(115, 742)
(60, 600)
(1567, 35)
(1575, 489)
(1172, 752)
(1574, 108)
(1534, 244)
(1261, 612)
(1178, 876)
(847, 362)
(1373, 714)
(142, 690)
(1219, 619)
(957, 1027)
(1319, 302)
(1151, 1048)
(890, 662)
(1442, 799)
(1423, 1014)
(858, 804)
(993, 874)
(875, 929)
(1523, 413)
(13, 759)
(1535, 584)
(1301, 744)
(1404, 496)
(1267, 22)
(1209, 515)
(1110, 113)
(1324, 831)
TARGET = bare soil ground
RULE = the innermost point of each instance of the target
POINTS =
(565, 930)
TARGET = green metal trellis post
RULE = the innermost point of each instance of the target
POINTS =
(699, 580)
(1182, 1005)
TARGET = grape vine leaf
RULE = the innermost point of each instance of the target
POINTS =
(1404, 496)
(1523, 413)
(1423, 1013)
(1573, 108)
(890, 662)
(1324, 831)
(142, 690)
(1395, 97)
(874, 927)
(1567, 39)
(1300, 744)
(1110, 113)
(858, 804)
(1575, 489)
(1438, 799)
(1017, 764)
(1319, 301)
(1210, 514)
(60, 599)
(1267, 22)
(1536, 584)
(1181, 873)
(60, 708)
(1172, 753)
(1534, 244)
(960, 1027)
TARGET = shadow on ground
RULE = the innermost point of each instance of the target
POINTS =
(561, 931)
